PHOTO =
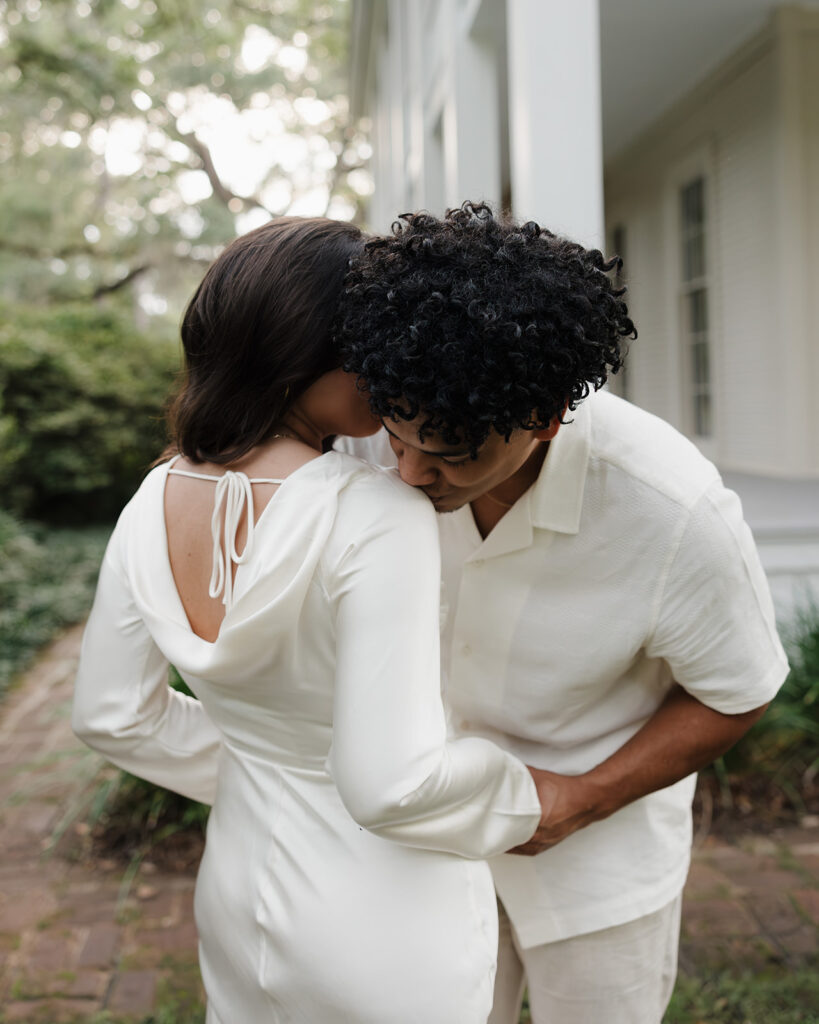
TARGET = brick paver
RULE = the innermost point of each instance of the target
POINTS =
(753, 903)
(72, 943)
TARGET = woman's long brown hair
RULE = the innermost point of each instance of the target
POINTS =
(257, 333)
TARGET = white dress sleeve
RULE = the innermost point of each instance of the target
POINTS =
(123, 705)
(396, 771)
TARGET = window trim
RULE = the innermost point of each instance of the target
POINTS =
(699, 164)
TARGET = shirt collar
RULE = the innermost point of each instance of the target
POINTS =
(557, 496)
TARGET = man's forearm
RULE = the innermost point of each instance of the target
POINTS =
(681, 737)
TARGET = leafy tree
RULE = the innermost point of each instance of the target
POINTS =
(140, 135)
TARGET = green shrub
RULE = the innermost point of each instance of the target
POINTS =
(785, 741)
(47, 580)
(81, 402)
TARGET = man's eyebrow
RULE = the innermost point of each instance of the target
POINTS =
(449, 452)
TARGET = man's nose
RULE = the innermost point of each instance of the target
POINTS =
(416, 468)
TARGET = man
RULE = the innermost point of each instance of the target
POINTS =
(607, 620)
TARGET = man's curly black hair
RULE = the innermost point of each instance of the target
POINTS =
(479, 323)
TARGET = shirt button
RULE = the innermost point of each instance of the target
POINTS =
(466, 650)
(478, 563)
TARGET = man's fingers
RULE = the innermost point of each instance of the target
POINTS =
(530, 848)
(524, 850)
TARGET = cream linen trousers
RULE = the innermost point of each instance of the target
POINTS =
(621, 975)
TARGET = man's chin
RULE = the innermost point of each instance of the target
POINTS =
(446, 504)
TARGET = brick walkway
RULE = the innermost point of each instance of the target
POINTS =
(75, 941)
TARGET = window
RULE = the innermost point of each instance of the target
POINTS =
(694, 304)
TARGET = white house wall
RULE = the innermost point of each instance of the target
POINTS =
(435, 97)
(435, 73)
(808, 203)
(442, 133)
(729, 128)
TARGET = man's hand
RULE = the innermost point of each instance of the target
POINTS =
(681, 737)
(568, 802)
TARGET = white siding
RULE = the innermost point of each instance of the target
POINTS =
(809, 203)
(437, 79)
(731, 125)
(437, 98)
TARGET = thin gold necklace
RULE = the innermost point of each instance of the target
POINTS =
(290, 435)
(503, 504)
(506, 504)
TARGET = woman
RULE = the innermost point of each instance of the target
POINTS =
(297, 594)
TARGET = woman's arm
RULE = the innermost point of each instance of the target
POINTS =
(396, 771)
(123, 706)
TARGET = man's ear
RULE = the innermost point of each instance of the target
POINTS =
(554, 425)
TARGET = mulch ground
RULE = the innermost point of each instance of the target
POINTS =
(755, 804)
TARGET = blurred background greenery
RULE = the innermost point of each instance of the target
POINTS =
(137, 139)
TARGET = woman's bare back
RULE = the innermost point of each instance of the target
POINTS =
(190, 494)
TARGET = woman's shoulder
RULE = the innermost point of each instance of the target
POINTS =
(147, 495)
(373, 501)
(361, 480)
(377, 516)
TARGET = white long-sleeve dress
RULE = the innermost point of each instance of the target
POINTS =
(335, 885)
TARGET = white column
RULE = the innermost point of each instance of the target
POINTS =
(447, 24)
(415, 113)
(554, 115)
(477, 117)
(393, 65)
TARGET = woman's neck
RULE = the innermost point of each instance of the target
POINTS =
(303, 428)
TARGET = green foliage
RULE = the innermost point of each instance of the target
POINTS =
(121, 125)
(146, 814)
(81, 402)
(178, 999)
(47, 581)
(777, 996)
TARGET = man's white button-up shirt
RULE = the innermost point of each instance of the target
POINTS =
(625, 568)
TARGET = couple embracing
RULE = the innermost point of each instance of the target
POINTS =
(392, 468)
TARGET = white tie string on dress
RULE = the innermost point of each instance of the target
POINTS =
(233, 497)
(234, 492)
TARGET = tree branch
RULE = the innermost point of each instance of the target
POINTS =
(34, 253)
(114, 286)
(220, 190)
(341, 168)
